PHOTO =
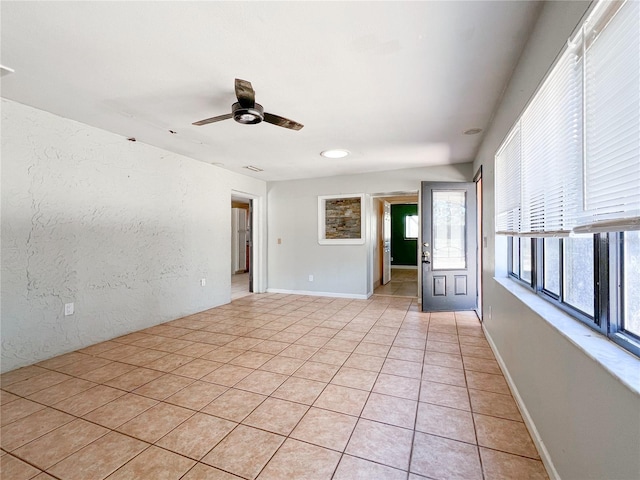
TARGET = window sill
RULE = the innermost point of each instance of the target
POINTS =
(618, 362)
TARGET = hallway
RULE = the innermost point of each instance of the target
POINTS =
(273, 387)
(404, 283)
(239, 285)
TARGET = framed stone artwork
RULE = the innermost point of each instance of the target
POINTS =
(340, 219)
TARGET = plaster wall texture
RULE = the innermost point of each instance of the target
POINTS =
(342, 270)
(123, 230)
(585, 419)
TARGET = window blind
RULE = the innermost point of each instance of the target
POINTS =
(612, 120)
(572, 161)
(551, 133)
(507, 175)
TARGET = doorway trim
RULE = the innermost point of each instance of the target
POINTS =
(477, 178)
(371, 234)
(258, 238)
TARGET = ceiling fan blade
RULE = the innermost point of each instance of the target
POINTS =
(245, 93)
(226, 116)
(281, 121)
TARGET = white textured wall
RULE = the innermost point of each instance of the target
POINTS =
(588, 421)
(337, 269)
(124, 230)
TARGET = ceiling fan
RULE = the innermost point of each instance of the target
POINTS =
(248, 112)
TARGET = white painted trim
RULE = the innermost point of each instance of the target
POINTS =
(404, 267)
(370, 233)
(535, 435)
(317, 294)
(259, 228)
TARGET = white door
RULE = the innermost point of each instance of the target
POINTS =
(239, 240)
(386, 246)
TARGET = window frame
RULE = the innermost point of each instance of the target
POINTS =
(405, 227)
(605, 206)
(617, 333)
(518, 275)
(608, 286)
(594, 321)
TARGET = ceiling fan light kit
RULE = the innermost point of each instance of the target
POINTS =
(247, 112)
(247, 116)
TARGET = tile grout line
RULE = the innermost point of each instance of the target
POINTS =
(246, 335)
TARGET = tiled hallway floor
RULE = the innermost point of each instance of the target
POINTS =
(404, 283)
(273, 387)
(239, 285)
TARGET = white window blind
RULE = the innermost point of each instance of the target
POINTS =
(507, 175)
(551, 130)
(612, 119)
(572, 161)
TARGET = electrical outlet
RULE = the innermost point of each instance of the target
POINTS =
(68, 309)
(311, 278)
(203, 282)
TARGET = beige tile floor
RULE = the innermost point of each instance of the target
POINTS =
(404, 283)
(273, 387)
(239, 285)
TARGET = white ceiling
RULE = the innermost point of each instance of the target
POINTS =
(395, 83)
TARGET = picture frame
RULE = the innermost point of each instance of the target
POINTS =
(341, 219)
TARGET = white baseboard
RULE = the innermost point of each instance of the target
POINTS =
(318, 294)
(404, 267)
(535, 435)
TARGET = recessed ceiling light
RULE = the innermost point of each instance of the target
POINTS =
(337, 153)
(253, 169)
(472, 131)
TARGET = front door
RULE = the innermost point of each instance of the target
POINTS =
(448, 246)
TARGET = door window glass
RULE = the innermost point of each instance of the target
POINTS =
(449, 227)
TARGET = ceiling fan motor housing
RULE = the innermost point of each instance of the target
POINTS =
(247, 115)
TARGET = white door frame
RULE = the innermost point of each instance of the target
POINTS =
(386, 236)
(258, 237)
(371, 235)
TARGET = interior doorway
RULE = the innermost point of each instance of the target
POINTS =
(241, 247)
(395, 238)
